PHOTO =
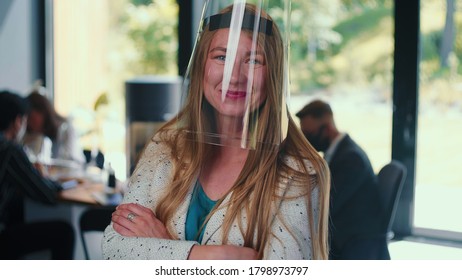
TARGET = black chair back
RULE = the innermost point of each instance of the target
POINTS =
(390, 183)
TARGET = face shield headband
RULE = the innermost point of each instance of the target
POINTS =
(248, 22)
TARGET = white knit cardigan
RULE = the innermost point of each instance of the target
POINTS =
(290, 237)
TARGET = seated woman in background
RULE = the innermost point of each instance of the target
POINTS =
(45, 124)
(231, 177)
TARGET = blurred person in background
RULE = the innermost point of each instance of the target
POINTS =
(50, 135)
(19, 178)
(354, 201)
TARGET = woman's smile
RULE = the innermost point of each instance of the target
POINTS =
(233, 94)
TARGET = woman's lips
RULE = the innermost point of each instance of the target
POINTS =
(235, 94)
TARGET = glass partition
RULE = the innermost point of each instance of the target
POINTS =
(438, 189)
(342, 52)
(98, 45)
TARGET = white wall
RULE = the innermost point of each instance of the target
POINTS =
(18, 45)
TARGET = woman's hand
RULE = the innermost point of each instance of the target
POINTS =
(222, 252)
(135, 220)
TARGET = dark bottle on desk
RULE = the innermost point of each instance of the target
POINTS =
(111, 181)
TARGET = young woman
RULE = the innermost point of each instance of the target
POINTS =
(231, 177)
(45, 124)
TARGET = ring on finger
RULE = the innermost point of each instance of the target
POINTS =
(131, 216)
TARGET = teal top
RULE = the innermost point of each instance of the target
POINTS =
(199, 207)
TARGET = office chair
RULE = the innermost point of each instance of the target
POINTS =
(94, 219)
(375, 246)
(391, 180)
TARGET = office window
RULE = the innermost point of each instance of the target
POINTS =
(438, 189)
(98, 45)
(342, 52)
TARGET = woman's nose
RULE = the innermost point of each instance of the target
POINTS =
(239, 73)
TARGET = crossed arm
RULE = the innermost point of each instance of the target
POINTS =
(146, 224)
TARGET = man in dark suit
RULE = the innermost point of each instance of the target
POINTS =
(19, 178)
(354, 201)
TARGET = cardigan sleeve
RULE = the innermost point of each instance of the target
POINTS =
(146, 186)
(291, 238)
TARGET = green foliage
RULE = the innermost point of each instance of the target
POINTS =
(276, 3)
(141, 2)
(378, 68)
(458, 42)
(430, 59)
(429, 44)
(352, 5)
(151, 29)
(359, 25)
(323, 75)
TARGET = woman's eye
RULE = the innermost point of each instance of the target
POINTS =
(220, 57)
(255, 61)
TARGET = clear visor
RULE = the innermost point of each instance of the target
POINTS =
(236, 85)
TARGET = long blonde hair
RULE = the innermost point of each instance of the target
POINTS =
(264, 170)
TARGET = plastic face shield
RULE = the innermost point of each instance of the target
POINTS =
(236, 86)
